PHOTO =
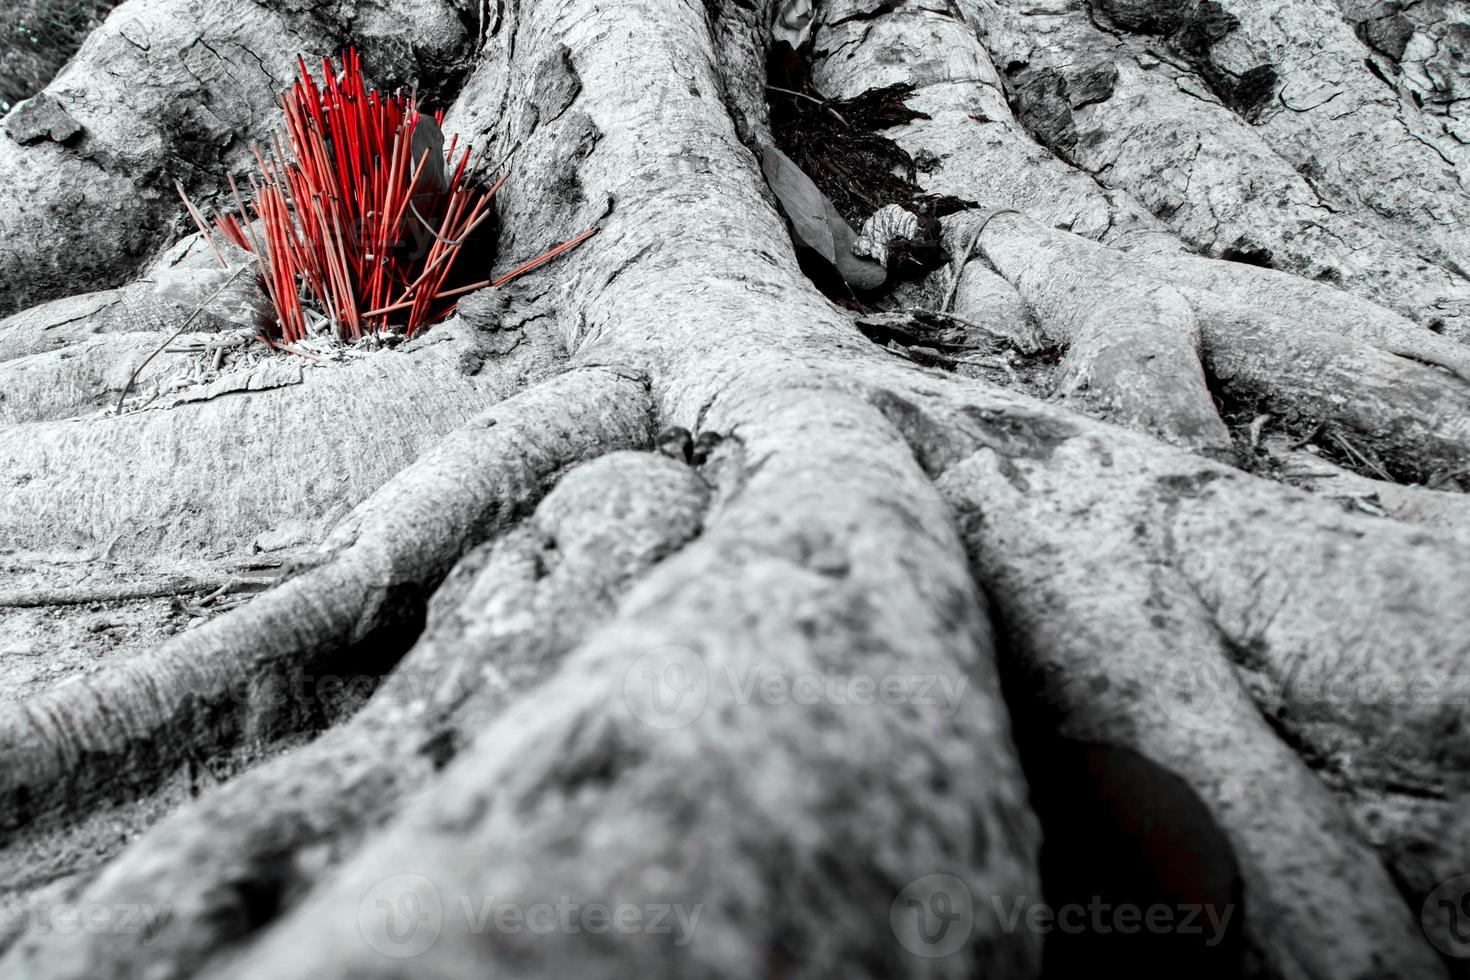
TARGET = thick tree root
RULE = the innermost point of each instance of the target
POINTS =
(254, 674)
(297, 444)
(1408, 414)
(674, 760)
(971, 144)
(572, 792)
(1134, 322)
(1234, 586)
(604, 788)
(159, 300)
(306, 437)
(499, 626)
(1411, 418)
(1318, 308)
(1132, 340)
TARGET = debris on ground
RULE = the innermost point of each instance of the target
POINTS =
(858, 178)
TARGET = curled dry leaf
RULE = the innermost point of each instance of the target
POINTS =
(883, 226)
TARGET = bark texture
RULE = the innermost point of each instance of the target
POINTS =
(1177, 522)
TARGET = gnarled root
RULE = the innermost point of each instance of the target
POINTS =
(1247, 611)
(497, 627)
(248, 678)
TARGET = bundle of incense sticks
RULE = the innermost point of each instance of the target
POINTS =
(357, 208)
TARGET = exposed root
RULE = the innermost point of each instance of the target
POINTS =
(627, 777)
(1303, 193)
(1235, 586)
(1315, 307)
(164, 295)
(1133, 341)
(660, 764)
(303, 444)
(250, 676)
(1121, 313)
(499, 626)
(973, 147)
(1353, 135)
(1411, 417)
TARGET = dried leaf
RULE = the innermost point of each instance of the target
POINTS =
(794, 21)
(808, 208)
(816, 223)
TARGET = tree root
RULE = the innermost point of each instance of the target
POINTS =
(257, 673)
(498, 626)
(1406, 412)
(972, 145)
(1315, 307)
(603, 788)
(304, 453)
(1148, 124)
(571, 792)
(1410, 416)
(1133, 341)
(1234, 586)
(83, 378)
(166, 293)
(660, 765)
(1338, 120)
(1135, 333)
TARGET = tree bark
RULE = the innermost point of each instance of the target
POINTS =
(1170, 577)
